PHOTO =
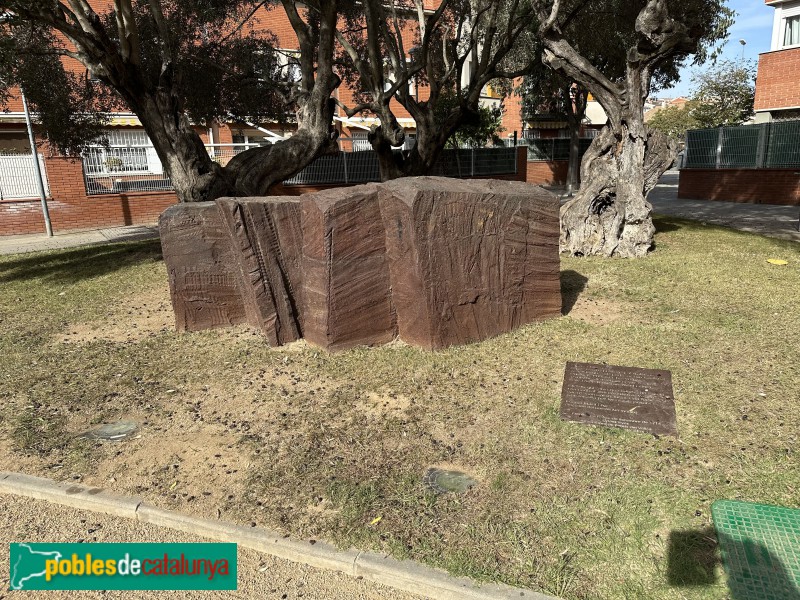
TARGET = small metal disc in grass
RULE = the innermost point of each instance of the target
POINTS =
(112, 431)
(441, 481)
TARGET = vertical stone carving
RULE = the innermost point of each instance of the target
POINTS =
(346, 293)
(200, 264)
(265, 235)
(470, 259)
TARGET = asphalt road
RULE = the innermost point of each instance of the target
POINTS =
(260, 576)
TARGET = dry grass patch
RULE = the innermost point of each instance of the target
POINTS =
(320, 445)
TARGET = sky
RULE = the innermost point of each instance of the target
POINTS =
(753, 23)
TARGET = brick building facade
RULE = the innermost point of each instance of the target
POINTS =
(778, 81)
(72, 207)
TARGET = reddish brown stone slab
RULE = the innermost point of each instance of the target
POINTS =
(441, 261)
(470, 259)
(626, 397)
(201, 267)
(265, 234)
(346, 290)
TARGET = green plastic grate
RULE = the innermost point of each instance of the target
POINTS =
(760, 547)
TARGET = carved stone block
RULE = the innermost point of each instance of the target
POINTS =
(470, 259)
(346, 293)
(437, 261)
(267, 241)
(201, 266)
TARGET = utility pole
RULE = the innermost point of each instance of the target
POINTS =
(38, 168)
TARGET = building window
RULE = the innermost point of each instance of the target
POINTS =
(360, 141)
(124, 151)
(289, 64)
(786, 27)
(791, 34)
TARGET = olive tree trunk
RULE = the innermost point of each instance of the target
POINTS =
(573, 167)
(197, 178)
(610, 215)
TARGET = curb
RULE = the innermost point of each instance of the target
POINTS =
(405, 575)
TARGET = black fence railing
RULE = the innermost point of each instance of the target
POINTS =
(763, 146)
(362, 166)
(551, 148)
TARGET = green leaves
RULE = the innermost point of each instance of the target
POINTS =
(724, 94)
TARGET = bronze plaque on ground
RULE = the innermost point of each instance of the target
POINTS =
(626, 397)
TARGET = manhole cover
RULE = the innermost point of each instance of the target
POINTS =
(113, 431)
(442, 482)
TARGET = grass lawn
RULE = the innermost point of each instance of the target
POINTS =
(320, 445)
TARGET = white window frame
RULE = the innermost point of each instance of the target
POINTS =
(125, 145)
(289, 63)
(782, 13)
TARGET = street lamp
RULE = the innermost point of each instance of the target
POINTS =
(743, 43)
(37, 167)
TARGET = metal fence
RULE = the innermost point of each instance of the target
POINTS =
(549, 149)
(115, 169)
(764, 146)
(18, 176)
(362, 166)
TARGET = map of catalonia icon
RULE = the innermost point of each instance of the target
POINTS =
(27, 564)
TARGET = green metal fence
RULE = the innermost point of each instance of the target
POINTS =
(551, 148)
(763, 146)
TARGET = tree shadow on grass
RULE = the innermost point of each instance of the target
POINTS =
(70, 266)
(752, 570)
(666, 224)
(572, 284)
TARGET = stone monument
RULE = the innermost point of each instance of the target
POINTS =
(434, 261)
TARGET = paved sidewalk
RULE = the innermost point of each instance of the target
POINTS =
(15, 244)
(764, 219)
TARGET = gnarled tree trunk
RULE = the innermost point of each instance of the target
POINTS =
(431, 140)
(197, 178)
(610, 215)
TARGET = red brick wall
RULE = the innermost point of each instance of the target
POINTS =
(71, 208)
(512, 114)
(547, 172)
(778, 82)
(752, 186)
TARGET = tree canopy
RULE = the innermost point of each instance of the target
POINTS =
(223, 69)
(674, 121)
(176, 64)
(724, 94)
(393, 48)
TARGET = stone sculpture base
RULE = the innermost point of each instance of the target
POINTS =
(435, 261)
